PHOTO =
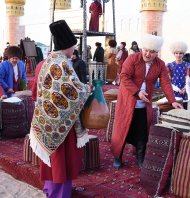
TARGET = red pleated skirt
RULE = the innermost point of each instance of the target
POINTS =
(66, 161)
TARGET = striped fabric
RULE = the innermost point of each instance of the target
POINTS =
(27, 150)
(28, 154)
(181, 176)
(91, 157)
(160, 156)
(109, 129)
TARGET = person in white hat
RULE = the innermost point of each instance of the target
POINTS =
(134, 103)
(56, 134)
(179, 71)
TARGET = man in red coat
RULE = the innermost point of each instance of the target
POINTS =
(134, 104)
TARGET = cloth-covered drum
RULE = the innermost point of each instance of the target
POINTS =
(177, 118)
(91, 157)
(162, 146)
(26, 97)
(111, 95)
(13, 119)
(28, 154)
(181, 177)
(164, 105)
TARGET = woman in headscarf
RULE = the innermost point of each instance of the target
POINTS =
(179, 71)
(122, 54)
(134, 48)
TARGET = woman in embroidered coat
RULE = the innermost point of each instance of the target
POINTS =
(56, 134)
(134, 103)
(12, 71)
(179, 72)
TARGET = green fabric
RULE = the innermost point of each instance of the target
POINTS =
(22, 85)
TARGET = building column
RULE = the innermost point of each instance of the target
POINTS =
(152, 16)
(15, 31)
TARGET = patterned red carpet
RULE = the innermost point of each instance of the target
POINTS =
(104, 182)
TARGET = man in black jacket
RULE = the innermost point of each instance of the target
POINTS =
(99, 53)
(79, 66)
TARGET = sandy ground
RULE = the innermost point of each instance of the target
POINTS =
(12, 188)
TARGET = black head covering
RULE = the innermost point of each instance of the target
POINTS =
(63, 37)
(76, 53)
(14, 51)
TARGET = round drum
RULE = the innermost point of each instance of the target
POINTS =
(111, 95)
(26, 97)
(91, 153)
(181, 176)
(165, 106)
(13, 118)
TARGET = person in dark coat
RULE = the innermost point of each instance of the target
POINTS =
(99, 53)
(79, 66)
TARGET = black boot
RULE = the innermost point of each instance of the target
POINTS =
(140, 152)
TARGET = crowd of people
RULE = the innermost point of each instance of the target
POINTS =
(60, 90)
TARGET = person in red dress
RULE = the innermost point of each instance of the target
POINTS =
(134, 103)
(96, 10)
(56, 135)
(122, 54)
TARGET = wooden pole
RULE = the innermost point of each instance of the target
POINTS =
(84, 41)
(114, 28)
(52, 20)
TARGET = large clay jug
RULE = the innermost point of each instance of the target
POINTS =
(95, 114)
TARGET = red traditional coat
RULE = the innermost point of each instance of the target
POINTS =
(132, 77)
(34, 86)
(121, 60)
(96, 10)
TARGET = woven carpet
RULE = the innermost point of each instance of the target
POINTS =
(105, 182)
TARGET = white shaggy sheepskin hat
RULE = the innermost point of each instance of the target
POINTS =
(178, 46)
(151, 42)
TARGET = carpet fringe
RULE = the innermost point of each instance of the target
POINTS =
(38, 149)
(81, 141)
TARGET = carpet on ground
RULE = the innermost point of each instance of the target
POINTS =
(104, 182)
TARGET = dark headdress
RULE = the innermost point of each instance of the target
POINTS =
(63, 37)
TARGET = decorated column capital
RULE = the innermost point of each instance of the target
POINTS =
(61, 4)
(15, 7)
(154, 5)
